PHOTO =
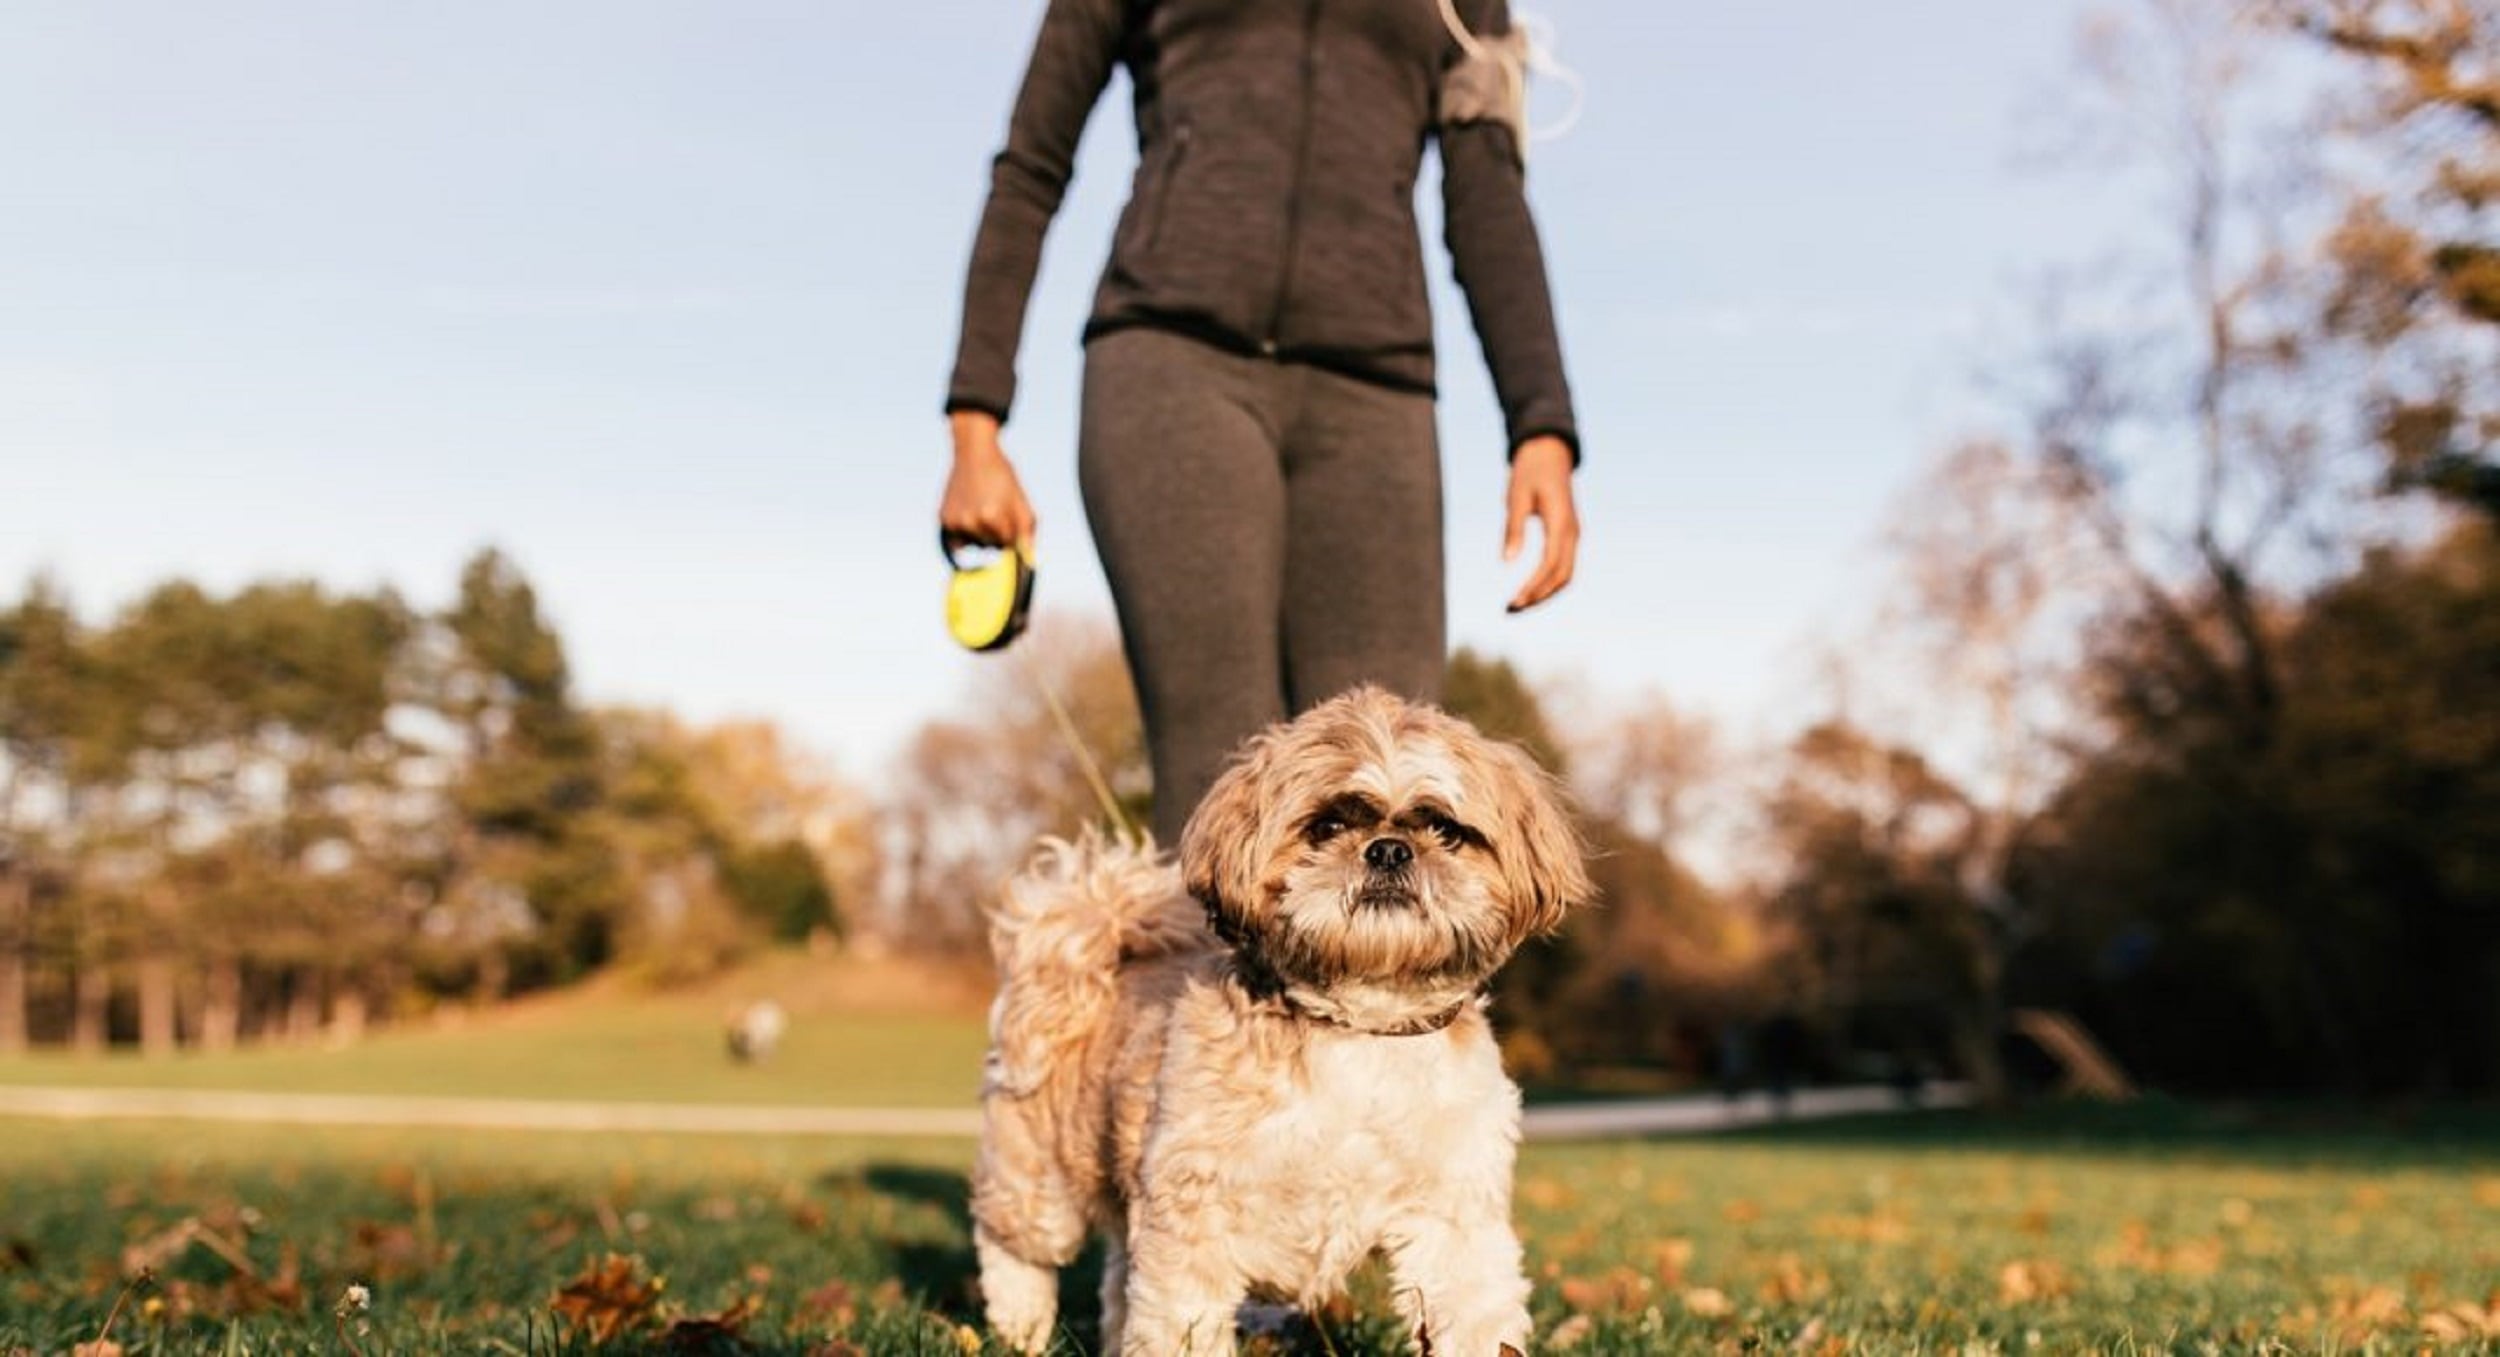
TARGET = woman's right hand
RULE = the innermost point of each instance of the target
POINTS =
(984, 501)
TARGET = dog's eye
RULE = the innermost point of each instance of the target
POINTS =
(1448, 832)
(1324, 828)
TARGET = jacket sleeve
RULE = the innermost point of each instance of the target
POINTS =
(1072, 61)
(1501, 266)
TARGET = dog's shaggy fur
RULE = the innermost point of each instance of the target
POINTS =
(1250, 1074)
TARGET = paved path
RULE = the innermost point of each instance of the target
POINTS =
(1680, 1116)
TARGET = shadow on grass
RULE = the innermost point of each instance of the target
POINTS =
(946, 1276)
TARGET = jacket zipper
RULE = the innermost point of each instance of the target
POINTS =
(1301, 171)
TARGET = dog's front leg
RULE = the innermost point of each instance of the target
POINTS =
(1183, 1287)
(1459, 1285)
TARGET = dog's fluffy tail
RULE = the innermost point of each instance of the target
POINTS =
(1060, 934)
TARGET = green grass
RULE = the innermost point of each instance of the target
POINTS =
(2159, 1230)
(620, 1044)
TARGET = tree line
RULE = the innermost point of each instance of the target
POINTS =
(286, 811)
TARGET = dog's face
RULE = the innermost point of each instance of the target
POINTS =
(1379, 843)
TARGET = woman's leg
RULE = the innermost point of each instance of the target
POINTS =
(1364, 598)
(1177, 458)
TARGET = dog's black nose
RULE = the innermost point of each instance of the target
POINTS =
(1387, 855)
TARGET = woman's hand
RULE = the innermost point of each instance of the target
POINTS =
(1540, 488)
(984, 501)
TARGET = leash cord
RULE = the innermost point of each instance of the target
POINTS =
(1084, 758)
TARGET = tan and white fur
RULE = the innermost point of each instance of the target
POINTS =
(1251, 1073)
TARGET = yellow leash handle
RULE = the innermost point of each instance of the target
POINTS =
(986, 603)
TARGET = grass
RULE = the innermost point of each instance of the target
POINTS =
(2157, 1230)
(858, 1037)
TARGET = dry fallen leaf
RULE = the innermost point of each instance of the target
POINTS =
(2026, 1280)
(610, 1297)
(701, 1333)
(1570, 1333)
(2462, 1323)
(832, 1304)
(1672, 1256)
(1709, 1302)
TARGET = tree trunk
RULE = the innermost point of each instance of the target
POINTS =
(303, 1009)
(159, 1034)
(494, 976)
(16, 910)
(221, 1009)
(347, 1015)
(90, 1009)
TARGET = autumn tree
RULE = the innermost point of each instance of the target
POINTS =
(39, 720)
(1047, 741)
(2417, 254)
(1886, 884)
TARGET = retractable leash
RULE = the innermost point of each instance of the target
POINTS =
(987, 606)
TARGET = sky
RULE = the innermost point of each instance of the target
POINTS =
(660, 298)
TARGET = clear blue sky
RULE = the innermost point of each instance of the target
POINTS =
(661, 297)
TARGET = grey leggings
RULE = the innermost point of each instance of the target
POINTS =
(1272, 532)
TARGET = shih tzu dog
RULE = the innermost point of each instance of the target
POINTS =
(1251, 1073)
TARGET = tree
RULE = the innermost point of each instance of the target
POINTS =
(1883, 856)
(39, 720)
(2418, 265)
(536, 895)
(1050, 743)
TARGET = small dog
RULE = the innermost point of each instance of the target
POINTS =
(1253, 1072)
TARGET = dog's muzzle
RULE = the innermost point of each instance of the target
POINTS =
(1390, 884)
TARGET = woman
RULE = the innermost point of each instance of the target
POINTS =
(1257, 452)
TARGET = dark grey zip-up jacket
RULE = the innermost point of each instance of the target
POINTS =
(1273, 208)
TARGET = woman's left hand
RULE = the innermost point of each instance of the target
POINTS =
(1540, 488)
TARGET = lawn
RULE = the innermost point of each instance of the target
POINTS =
(2160, 1230)
(859, 1037)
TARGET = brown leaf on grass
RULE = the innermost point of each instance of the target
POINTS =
(2353, 1313)
(1791, 1281)
(2136, 1249)
(17, 1256)
(2025, 1280)
(2487, 1192)
(1672, 1256)
(154, 1252)
(102, 1347)
(387, 1252)
(833, 1305)
(2461, 1324)
(1571, 1333)
(610, 1297)
(1619, 1291)
(1741, 1212)
(699, 1333)
(837, 1347)
(1709, 1302)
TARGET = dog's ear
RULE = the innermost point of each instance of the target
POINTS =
(1224, 846)
(1544, 859)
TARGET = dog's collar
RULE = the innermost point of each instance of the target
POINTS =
(1260, 982)
(1418, 1027)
